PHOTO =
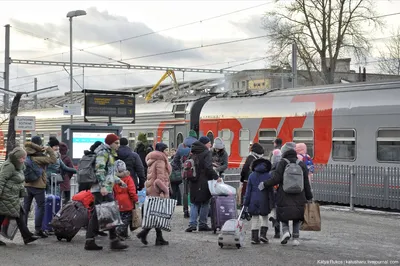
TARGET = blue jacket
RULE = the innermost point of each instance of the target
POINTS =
(259, 202)
(181, 152)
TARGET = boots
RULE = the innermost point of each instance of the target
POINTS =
(254, 237)
(186, 214)
(277, 232)
(263, 234)
(30, 239)
(91, 245)
(2, 243)
(117, 245)
(143, 236)
(160, 240)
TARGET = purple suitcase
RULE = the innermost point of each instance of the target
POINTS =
(223, 208)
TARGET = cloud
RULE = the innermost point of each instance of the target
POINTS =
(102, 27)
(252, 27)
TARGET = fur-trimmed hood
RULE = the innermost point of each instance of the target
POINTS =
(261, 165)
(32, 148)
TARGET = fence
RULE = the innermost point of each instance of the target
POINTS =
(369, 186)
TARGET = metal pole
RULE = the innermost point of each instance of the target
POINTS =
(35, 98)
(7, 67)
(70, 65)
(352, 185)
(294, 65)
(83, 78)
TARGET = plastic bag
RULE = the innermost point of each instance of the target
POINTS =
(108, 215)
(9, 228)
(136, 218)
(220, 188)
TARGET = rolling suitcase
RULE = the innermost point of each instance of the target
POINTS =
(52, 206)
(232, 233)
(67, 222)
(223, 208)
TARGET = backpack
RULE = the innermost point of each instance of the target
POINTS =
(309, 163)
(189, 169)
(293, 179)
(32, 171)
(85, 197)
(86, 169)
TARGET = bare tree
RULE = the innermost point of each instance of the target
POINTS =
(323, 30)
(390, 58)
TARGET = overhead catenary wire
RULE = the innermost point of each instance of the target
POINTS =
(162, 30)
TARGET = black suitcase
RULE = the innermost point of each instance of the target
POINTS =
(67, 223)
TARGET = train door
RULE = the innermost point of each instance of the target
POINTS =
(165, 137)
(181, 132)
(210, 129)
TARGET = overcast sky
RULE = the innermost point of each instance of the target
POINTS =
(40, 30)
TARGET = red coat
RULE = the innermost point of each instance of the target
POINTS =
(126, 197)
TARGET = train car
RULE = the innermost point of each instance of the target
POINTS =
(355, 124)
(168, 122)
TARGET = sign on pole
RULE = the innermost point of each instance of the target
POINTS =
(25, 123)
(72, 109)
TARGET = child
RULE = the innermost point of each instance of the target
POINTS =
(126, 198)
(276, 157)
(259, 203)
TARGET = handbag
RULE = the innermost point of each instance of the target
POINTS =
(157, 213)
(136, 218)
(108, 215)
(312, 217)
(175, 177)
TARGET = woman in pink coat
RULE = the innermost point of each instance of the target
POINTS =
(157, 184)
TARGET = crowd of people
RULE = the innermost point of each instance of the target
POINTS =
(121, 172)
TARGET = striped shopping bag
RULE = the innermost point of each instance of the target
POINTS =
(157, 213)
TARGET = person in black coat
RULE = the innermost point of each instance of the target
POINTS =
(133, 163)
(290, 207)
(256, 152)
(199, 192)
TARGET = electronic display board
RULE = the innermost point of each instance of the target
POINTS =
(109, 105)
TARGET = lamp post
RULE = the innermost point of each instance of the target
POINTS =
(70, 15)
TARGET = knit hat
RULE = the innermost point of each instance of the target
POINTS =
(123, 141)
(95, 145)
(161, 147)
(111, 138)
(120, 166)
(276, 156)
(37, 140)
(288, 146)
(53, 141)
(192, 133)
(218, 144)
(204, 140)
(142, 137)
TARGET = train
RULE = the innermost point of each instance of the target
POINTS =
(352, 124)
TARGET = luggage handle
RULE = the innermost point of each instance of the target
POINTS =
(241, 212)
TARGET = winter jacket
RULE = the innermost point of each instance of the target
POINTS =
(58, 168)
(11, 186)
(220, 160)
(42, 160)
(199, 191)
(257, 152)
(133, 164)
(142, 149)
(157, 174)
(259, 202)
(66, 185)
(105, 169)
(126, 197)
(290, 206)
(180, 153)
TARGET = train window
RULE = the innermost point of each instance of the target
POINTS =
(305, 136)
(244, 139)
(226, 136)
(150, 138)
(210, 135)
(131, 140)
(266, 138)
(388, 145)
(179, 139)
(165, 137)
(344, 144)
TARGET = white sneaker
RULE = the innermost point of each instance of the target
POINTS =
(295, 242)
(285, 238)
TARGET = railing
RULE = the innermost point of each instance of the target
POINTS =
(369, 186)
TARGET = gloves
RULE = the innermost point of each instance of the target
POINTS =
(261, 186)
(123, 184)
